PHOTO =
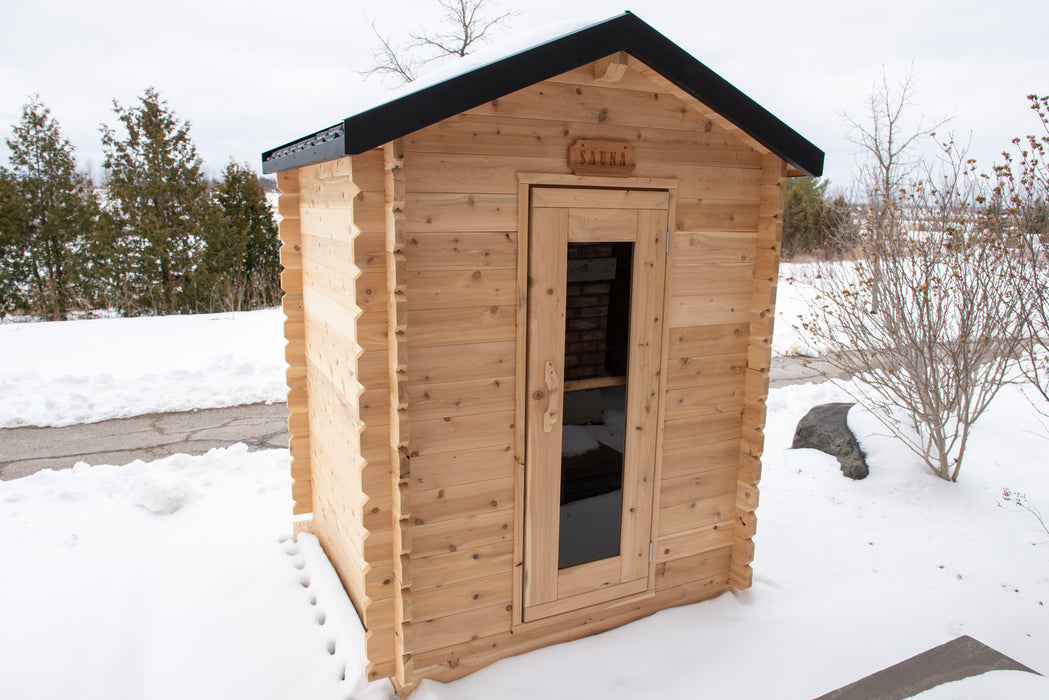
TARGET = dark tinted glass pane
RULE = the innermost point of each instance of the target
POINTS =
(592, 433)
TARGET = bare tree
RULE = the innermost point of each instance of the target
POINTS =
(888, 136)
(1022, 193)
(392, 60)
(939, 348)
(469, 24)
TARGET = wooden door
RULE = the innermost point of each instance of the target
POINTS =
(596, 274)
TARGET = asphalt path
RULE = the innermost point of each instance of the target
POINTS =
(24, 451)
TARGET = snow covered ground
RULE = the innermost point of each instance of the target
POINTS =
(88, 371)
(178, 578)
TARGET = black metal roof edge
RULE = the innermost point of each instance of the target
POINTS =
(624, 32)
(326, 144)
(695, 78)
(430, 105)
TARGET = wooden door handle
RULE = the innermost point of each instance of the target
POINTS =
(553, 385)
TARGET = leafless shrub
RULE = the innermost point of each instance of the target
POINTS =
(1020, 500)
(938, 348)
(1022, 200)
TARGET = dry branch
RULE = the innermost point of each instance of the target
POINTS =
(940, 345)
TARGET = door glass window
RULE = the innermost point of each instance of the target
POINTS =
(595, 370)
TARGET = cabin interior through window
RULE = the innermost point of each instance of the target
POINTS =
(597, 331)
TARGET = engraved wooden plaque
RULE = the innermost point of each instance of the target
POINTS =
(611, 158)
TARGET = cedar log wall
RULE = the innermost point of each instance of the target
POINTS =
(452, 258)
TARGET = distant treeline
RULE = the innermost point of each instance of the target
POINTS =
(158, 237)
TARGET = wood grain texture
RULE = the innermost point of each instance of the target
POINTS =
(531, 137)
(595, 105)
(463, 251)
(405, 286)
(766, 267)
(455, 567)
(397, 290)
(546, 330)
(290, 232)
(471, 396)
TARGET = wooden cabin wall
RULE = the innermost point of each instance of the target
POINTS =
(462, 195)
(295, 333)
(338, 428)
(376, 472)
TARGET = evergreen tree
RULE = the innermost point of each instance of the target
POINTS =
(49, 215)
(160, 204)
(12, 258)
(809, 220)
(245, 250)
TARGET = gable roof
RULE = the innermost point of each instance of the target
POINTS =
(430, 104)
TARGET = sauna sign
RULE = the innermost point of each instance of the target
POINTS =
(613, 158)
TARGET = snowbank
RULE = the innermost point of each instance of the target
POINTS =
(171, 579)
(86, 371)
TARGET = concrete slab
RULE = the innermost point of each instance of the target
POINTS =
(960, 658)
(787, 370)
(24, 451)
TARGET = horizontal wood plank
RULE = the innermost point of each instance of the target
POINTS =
(440, 364)
(699, 431)
(441, 289)
(454, 567)
(456, 213)
(446, 631)
(462, 251)
(696, 487)
(698, 567)
(710, 247)
(462, 467)
(458, 433)
(690, 542)
(697, 215)
(710, 400)
(701, 457)
(718, 339)
(692, 515)
(604, 199)
(685, 372)
(585, 75)
(595, 105)
(463, 534)
(487, 324)
(473, 173)
(709, 310)
(711, 278)
(464, 500)
(471, 396)
(462, 597)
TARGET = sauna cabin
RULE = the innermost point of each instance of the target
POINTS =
(529, 320)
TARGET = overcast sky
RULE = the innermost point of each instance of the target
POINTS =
(253, 76)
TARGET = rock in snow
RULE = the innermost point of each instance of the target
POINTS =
(826, 428)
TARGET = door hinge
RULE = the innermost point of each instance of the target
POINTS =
(650, 551)
(668, 240)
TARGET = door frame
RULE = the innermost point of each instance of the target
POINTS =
(642, 587)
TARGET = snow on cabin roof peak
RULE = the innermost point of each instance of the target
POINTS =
(456, 86)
